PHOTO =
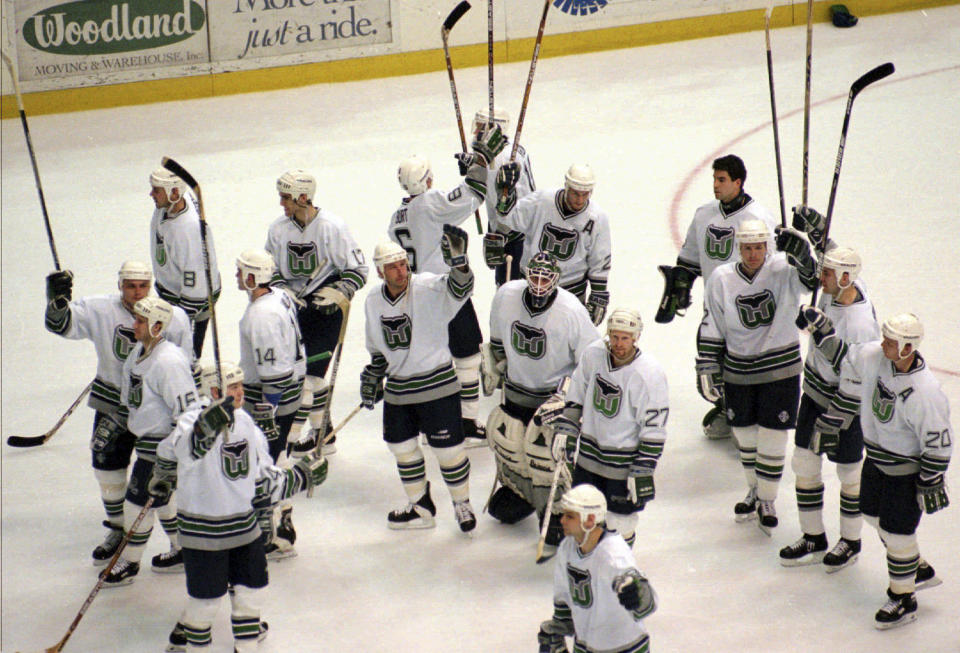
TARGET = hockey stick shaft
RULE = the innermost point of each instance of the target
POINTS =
(33, 156)
(773, 111)
(562, 388)
(806, 106)
(490, 58)
(333, 432)
(876, 74)
(448, 24)
(33, 441)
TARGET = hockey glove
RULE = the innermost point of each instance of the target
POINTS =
(212, 420)
(644, 490)
(506, 187)
(491, 369)
(709, 380)
(932, 494)
(162, 483)
(597, 305)
(453, 246)
(489, 142)
(798, 254)
(550, 637)
(811, 223)
(60, 285)
(371, 388)
(494, 249)
(816, 322)
(313, 468)
(466, 160)
(263, 415)
(105, 435)
(826, 434)
(335, 297)
(634, 593)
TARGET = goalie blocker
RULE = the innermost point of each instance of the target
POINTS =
(677, 282)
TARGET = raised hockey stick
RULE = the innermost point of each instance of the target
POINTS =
(773, 111)
(56, 648)
(878, 73)
(806, 105)
(33, 157)
(490, 61)
(448, 24)
(36, 440)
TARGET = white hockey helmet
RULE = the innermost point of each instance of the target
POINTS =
(843, 259)
(163, 178)
(135, 271)
(482, 117)
(585, 500)
(752, 231)
(297, 182)
(905, 329)
(386, 253)
(257, 262)
(208, 376)
(580, 177)
(414, 173)
(154, 310)
(626, 320)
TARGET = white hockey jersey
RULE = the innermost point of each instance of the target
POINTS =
(525, 185)
(583, 584)
(271, 351)
(625, 410)
(905, 416)
(307, 257)
(407, 335)
(749, 324)
(417, 226)
(580, 242)
(541, 346)
(156, 389)
(215, 492)
(177, 253)
(710, 237)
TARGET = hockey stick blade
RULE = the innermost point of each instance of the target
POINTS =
(179, 171)
(455, 15)
(878, 73)
(36, 440)
(27, 440)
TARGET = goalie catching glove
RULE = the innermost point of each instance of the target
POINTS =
(453, 246)
(677, 282)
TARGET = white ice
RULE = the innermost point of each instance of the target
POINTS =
(649, 120)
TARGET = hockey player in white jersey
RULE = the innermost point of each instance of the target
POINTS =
(496, 246)
(600, 598)
(613, 425)
(156, 388)
(422, 390)
(417, 226)
(537, 334)
(273, 361)
(905, 417)
(709, 243)
(319, 263)
(218, 460)
(107, 321)
(566, 224)
(748, 354)
(177, 252)
(829, 408)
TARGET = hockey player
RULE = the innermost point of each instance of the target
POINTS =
(217, 458)
(600, 598)
(107, 321)
(157, 387)
(749, 354)
(613, 425)
(828, 421)
(273, 361)
(905, 417)
(422, 390)
(709, 243)
(537, 334)
(417, 226)
(565, 224)
(177, 252)
(496, 246)
(320, 264)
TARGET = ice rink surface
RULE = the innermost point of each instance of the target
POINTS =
(649, 120)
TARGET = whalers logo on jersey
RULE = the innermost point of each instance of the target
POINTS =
(528, 341)
(756, 310)
(235, 459)
(580, 590)
(883, 403)
(123, 342)
(160, 251)
(560, 242)
(135, 393)
(397, 331)
(718, 242)
(301, 258)
(606, 397)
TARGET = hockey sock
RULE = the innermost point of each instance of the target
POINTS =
(809, 486)
(626, 525)
(197, 621)
(113, 485)
(168, 520)
(245, 617)
(138, 539)
(320, 394)
(455, 468)
(468, 371)
(747, 444)
(851, 521)
(903, 558)
(303, 411)
(771, 449)
(411, 466)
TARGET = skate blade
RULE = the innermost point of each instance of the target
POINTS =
(740, 519)
(810, 559)
(902, 621)
(178, 569)
(927, 584)
(277, 556)
(766, 530)
(835, 568)
(419, 524)
(475, 443)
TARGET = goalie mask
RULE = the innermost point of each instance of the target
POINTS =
(231, 373)
(904, 329)
(585, 500)
(840, 260)
(296, 183)
(257, 262)
(543, 275)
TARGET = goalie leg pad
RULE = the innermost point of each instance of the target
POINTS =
(505, 434)
(113, 485)
(411, 466)
(538, 447)
(509, 507)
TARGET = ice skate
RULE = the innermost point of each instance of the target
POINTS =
(808, 550)
(414, 515)
(843, 554)
(899, 610)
